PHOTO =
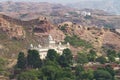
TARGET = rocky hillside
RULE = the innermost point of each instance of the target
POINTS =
(17, 35)
(8, 26)
(100, 38)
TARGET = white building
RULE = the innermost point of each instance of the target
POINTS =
(51, 44)
(117, 30)
(84, 13)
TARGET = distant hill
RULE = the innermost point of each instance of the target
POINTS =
(30, 10)
(111, 6)
(58, 13)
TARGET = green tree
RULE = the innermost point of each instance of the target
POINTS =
(27, 76)
(63, 61)
(21, 61)
(118, 54)
(33, 59)
(52, 55)
(82, 58)
(102, 75)
(68, 55)
(101, 59)
(63, 28)
(78, 70)
(92, 55)
(51, 72)
(87, 75)
(49, 62)
(66, 59)
(67, 73)
(37, 72)
(110, 70)
(82, 74)
(65, 78)
(111, 58)
(111, 53)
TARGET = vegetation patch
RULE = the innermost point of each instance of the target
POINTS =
(77, 42)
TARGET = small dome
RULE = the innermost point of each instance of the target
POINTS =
(68, 43)
(50, 38)
(39, 46)
(31, 45)
(60, 43)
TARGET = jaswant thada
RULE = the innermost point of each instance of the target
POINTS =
(51, 44)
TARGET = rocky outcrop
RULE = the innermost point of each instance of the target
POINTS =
(10, 28)
(14, 28)
(42, 26)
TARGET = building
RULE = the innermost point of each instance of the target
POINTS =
(51, 44)
(84, 13)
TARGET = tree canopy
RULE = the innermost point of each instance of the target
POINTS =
(52, 55)
(66, 59)
(60, 67)
(82, 58)
(33, 59)
(21, 63)
(102, 75)
(27, 76)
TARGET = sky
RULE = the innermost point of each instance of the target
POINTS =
(52, 1)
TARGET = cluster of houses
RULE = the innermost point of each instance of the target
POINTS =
(82, 13)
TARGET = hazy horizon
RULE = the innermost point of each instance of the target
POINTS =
(51, 1)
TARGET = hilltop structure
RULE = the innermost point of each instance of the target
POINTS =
(51, 44)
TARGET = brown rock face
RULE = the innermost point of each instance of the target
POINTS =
(11, 29)
(14, 28)
(42, 26)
